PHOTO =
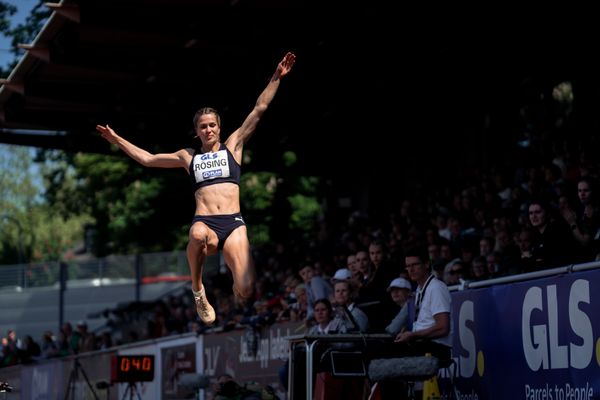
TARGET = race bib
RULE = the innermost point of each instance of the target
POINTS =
(211, 165)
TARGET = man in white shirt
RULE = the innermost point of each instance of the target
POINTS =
(432, 328)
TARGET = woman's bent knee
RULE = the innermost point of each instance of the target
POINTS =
(198, 235)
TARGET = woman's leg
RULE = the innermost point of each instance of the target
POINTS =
(236, 252)
(202, 242)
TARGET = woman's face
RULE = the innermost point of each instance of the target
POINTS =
(208, 129)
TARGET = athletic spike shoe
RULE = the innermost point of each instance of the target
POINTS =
(205, 311)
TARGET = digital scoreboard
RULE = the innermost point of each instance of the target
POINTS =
(132, 368)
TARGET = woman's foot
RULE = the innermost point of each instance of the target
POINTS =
(205, 311)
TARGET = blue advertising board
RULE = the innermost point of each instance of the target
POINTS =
(534, 340)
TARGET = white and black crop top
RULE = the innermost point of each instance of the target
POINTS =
(210, 168)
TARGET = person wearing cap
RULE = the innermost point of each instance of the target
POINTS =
(400, 291)
(341, 275)
(431, 332)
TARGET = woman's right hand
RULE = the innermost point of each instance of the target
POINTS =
(107, 133)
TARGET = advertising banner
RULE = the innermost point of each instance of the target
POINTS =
(176, 361)
(251, 354)
(45, 381)
(534, 340)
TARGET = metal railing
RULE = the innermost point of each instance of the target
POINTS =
(108, 270)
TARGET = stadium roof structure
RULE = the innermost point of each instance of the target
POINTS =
(365, 74)
(142, 66)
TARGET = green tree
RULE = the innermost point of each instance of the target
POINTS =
(30, 228)
(134, 208)
(256, 195)
(17, 202)
(279, 206)
(305, 205)
(6, 11)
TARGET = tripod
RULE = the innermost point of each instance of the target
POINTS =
(74, 377)
(131, 389)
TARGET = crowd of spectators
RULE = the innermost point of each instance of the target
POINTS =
(542, 212)
(69, 341)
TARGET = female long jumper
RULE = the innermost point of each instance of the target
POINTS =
(215, 173)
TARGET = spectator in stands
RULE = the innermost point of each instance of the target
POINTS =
(72, 337)
(227, 316)
(486, 246)
(327, 386)
(508, 250)
(263, 316)
(88, 340)
(364, 266)
(10, 354)
(341, 275)
(105, 341)
(372, 295)
(456, 273)
(316, 287)
(432, 329)
(494, 268)
(446, 253)
(526, 261)
(299, 309)
(290, 284)
(479, 269)
(288, 297)
(442, 226)
(585, 219)
(62, 344)
(553, 245)
(345, 295)
(434, 252)
(323, 312)
(215, 171)
(431, 332)
(48, 348)
(400, 291)
(352, 265)
(31, 350)
(11, 335)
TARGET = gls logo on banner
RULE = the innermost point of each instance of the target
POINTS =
(541, 342)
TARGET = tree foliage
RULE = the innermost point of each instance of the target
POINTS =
(30, 228)
(17, 200)
(134, 209)
(6, 11)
